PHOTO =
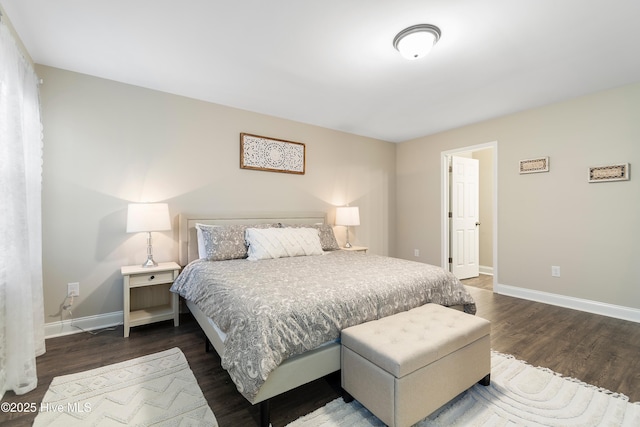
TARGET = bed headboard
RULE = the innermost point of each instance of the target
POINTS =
(187, 236)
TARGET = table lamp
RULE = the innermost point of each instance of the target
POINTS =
(148, 217)
(347, 216)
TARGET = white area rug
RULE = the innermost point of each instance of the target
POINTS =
(158, 389)
(519, 395)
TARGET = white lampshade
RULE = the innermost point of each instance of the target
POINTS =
(148, 217)
(348, 215)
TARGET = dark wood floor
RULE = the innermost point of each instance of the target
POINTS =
(595, 349)
(483, 281)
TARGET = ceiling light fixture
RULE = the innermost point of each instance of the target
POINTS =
(416, 41)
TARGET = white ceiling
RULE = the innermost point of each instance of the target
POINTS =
(331, 63)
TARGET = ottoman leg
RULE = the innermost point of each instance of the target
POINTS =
(486, 381)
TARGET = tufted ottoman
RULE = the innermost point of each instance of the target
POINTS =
(404, 367)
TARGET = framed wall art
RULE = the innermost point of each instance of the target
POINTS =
(619, 172)
(271, 154)
(541, 164)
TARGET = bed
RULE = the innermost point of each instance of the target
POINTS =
(275, 322)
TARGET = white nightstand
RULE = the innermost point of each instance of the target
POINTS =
(153, 304)
(362, 249)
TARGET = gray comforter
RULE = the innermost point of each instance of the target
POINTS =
(277, 308)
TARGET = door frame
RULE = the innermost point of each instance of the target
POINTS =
(444, 203)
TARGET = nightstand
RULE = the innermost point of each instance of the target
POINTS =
(147, 298)
(362, 249)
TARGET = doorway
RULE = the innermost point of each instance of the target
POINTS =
(487, 154)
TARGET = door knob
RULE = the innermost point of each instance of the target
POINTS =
(477, 223)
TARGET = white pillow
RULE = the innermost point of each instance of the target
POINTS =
(282, 242)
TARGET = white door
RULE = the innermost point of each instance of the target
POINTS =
(465, 243)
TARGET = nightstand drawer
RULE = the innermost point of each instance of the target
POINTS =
(150, 278)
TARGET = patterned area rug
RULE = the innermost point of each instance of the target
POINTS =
(519, 395)
(158, 389)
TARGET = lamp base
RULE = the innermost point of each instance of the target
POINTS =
(150, 263)
(348, 244)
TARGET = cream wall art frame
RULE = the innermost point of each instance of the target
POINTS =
(540, 164)
(271, 154)
(617, 172)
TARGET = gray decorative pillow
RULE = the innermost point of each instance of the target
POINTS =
(327, 238)
(225, 242)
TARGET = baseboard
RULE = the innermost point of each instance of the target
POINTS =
(82, 324)
(595, 307)
(486, 270)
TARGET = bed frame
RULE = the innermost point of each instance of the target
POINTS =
(293, 372)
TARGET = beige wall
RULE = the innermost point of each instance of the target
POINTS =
(107, 144)
(485, 192)
(556, 218)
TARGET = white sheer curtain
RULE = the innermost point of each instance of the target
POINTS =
(21, 301)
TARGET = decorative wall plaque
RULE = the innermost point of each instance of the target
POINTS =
(270, 154)
(540, 164)
(609, 173)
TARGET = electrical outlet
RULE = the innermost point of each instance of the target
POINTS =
(416, 252)
(555, 271)
(73, 289)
